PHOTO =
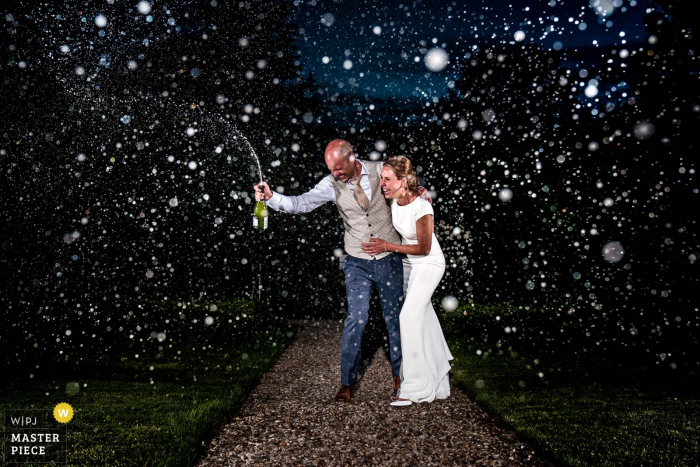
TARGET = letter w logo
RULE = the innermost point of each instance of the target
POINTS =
(62, 412)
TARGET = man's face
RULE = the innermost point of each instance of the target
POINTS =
(342, 168)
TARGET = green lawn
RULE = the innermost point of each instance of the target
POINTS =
(161, 408)
(582, 412)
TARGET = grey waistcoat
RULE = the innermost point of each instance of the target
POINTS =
(360, 226)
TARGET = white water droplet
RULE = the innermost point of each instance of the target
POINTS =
(613, 252)
(450, 303)
(436, 59)
(100, 21)
(143, 7)
(505, 194)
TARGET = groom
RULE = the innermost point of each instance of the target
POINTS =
(353, 186)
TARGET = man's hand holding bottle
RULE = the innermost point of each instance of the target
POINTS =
(262, 195)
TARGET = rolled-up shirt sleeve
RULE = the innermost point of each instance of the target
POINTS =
(320, 194)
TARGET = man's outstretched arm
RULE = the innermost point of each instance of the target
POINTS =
(320, 194)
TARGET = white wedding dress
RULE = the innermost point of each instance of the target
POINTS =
(425, 355)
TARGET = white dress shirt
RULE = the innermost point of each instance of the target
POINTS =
(322, 193)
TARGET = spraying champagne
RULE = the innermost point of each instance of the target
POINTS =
(260, 211)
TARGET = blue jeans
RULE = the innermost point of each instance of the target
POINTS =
(361, 275)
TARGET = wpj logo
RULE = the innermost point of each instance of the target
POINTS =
(23, 421)
(36, 435)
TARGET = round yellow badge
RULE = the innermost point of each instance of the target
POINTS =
(63, 413)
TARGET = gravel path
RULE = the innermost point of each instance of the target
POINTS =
(291, 419)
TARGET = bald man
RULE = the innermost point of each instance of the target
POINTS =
(353, 186)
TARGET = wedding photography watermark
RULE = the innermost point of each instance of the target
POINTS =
(37, 436)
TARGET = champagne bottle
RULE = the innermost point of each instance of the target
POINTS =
(260, 216)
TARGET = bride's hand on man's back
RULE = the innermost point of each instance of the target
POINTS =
(425, 194)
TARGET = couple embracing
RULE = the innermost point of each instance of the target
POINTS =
(391, 245)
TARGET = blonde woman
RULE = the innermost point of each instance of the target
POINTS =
(425, 366)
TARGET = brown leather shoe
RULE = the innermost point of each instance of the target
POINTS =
(397, 383)
(344, 394)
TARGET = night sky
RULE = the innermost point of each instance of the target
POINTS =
(376, 50)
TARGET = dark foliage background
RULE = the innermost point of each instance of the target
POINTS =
(127, 180)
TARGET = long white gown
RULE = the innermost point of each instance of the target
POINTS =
(425, 361)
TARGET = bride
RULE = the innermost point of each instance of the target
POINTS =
(425, 364)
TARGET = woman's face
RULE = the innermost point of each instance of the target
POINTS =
(391, 186)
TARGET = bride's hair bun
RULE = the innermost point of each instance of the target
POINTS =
(402, 167)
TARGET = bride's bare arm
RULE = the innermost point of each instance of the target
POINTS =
(424, 233)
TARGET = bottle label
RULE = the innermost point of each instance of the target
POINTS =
(256, 222)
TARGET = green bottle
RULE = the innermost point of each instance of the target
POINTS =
(260, 216)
